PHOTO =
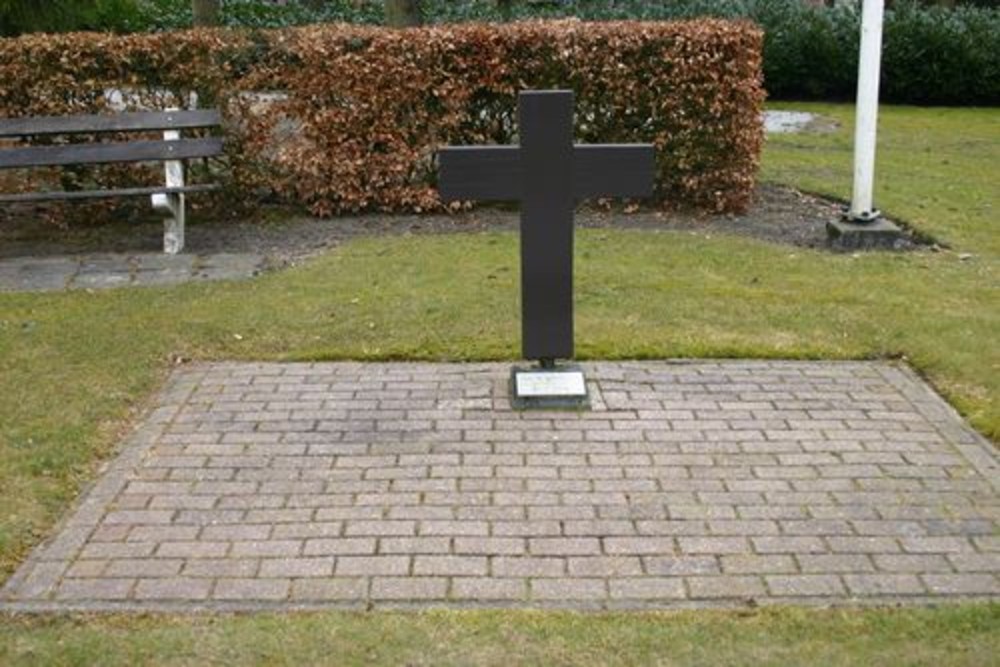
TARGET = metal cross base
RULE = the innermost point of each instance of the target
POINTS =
(549, 387)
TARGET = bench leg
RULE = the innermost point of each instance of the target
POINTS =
(172, 204)
(173, 224)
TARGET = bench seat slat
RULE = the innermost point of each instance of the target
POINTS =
(101, 194)
(132, 151)
(122, 122)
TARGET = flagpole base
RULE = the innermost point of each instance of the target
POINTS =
(875, 233)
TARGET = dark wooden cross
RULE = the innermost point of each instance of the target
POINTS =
(548, 174)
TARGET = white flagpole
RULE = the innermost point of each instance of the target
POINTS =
(866, 125)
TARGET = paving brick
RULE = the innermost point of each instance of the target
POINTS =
(379, 528)
(117, 550)
(528, 566)
(734, 587)
(962, 584)
(221, 567)
(409, 588)
(231, 532)
(597, 528)
(915, 563)
(326, 514)
(869, 545)
(209, 517)
(835, 563)
(561, 512)
(940, 544)
(86, 568)
(658, 528)
(341, 588)
(139, 517)
(758, 564)
(320, 566)
(701, 511)
(647, 588)
(196, 549)
(461, 566)
(372, 565)
(804, 585)
(271, 516)
(451, 527)
(604, 566)
(816, 527)
(338, 546)
(713, 545)
(173, 588)
(883, 584)
(564, 546)
(788, 544)
(110, 533)
(528, 529)
(105, 588)
(489, 546)
(987, 542)
(252, 589)
(640, 546)
(143, 567)
(488, 588)
(568, 588)
(965, 562)
(680, 565)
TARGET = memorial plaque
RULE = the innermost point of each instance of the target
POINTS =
(550, 383)
(557, 388)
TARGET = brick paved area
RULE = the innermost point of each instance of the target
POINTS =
(688, 484)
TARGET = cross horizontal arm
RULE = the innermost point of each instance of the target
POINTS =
(483, 173)
(613, 170)
(493, 173)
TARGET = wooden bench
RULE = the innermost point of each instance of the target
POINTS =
(171, 151)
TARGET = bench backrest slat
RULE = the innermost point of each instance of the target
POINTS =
(122, 122)
(133, 151)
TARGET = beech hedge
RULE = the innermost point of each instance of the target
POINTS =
(344, 118)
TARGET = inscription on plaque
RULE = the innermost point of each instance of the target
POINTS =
(543, 384)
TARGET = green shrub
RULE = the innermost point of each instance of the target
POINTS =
(932, 55)
(21, 16)
(175, 14)
(939, 56)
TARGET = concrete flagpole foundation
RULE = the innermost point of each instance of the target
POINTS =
(862, 225)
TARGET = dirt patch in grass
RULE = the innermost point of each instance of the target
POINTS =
(779, 215)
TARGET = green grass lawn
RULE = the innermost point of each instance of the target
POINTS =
(938, 637)
(75, 367)
(936, 169)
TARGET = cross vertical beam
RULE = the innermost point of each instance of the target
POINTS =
(546, 126)
(547, 173)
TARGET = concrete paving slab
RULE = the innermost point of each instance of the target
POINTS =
(37, 274)
(103, 272)
(29, 274)
(225, 266)
(163, 269)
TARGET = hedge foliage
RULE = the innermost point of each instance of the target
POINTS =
(353, 115)
(933, 55)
